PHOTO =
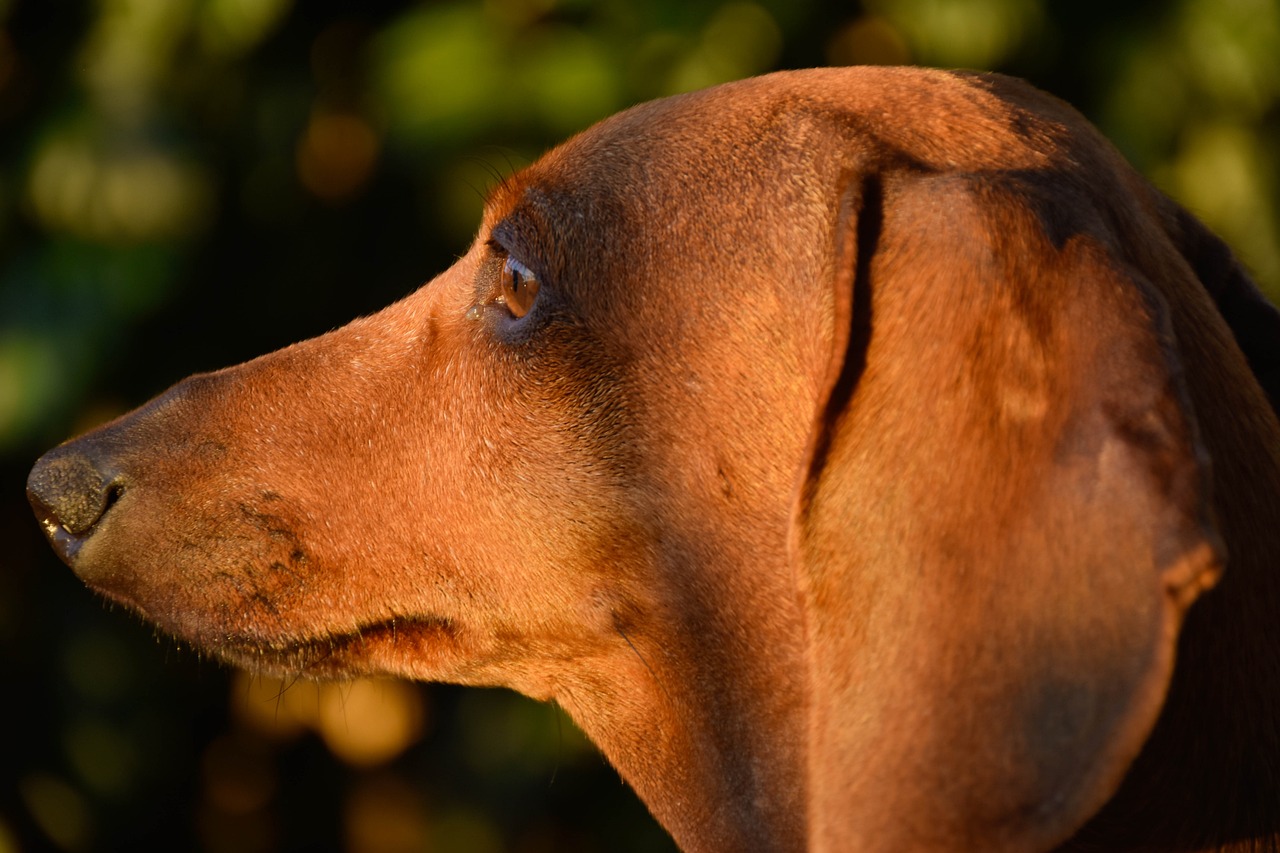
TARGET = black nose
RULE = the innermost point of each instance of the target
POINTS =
(70, 494)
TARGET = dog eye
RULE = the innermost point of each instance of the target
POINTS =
(519, 288)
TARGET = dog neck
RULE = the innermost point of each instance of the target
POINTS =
(702, 710)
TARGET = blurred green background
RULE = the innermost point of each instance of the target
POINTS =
(187, 183)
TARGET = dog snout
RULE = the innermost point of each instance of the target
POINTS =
(71, 489)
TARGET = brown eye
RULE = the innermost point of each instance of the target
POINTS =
(519, 287)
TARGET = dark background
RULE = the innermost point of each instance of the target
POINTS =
(187, 183)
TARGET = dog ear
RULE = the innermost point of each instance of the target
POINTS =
(1003, 520)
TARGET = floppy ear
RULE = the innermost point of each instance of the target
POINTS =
(1003, 523)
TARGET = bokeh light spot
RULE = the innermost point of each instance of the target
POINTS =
(437, 72)
(385, 814)
(741, 39)
(29, 374)
(465, 830)
(336, 155)
(58, 809)
(239, 774)
(868, 40)
(962, 33)
(115, 194)
(99, 667)
(8, 841)
(277, 708)
(367, 722)
(230, 27)
(568, 78)
(105, 758)
(1217, 174)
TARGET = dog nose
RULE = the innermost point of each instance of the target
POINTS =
(70, 493)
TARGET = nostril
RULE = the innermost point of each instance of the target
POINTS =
(69, 491)
(114, 490)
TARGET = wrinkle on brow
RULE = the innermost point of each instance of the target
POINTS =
(532, 228)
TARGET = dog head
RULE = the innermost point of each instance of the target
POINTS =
(815, 440)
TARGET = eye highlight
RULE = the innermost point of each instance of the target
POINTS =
(518, 287)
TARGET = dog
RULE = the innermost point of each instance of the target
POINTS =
(867, 459)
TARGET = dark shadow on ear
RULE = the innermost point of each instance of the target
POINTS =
(1253, 320)
(858, 233)
(1004, 522)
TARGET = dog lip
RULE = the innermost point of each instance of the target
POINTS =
(336, 654)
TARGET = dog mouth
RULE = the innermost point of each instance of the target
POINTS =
(392, 646)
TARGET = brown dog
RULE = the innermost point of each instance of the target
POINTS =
(842, 448)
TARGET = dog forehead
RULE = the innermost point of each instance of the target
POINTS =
(697, 160)
(694, 135)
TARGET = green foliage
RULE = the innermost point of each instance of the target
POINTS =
(1195, 104)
